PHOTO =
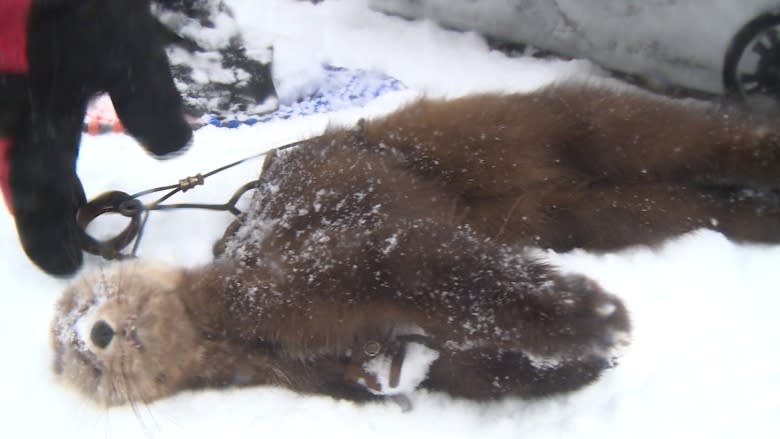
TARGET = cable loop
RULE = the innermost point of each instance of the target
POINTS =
(130, 206)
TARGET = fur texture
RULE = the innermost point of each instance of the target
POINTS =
(411, 229)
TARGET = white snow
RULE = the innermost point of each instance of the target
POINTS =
(705, 352)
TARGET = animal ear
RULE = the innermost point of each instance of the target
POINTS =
(154, 275)
(167, 276)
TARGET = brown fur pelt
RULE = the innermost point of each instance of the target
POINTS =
(408, 234)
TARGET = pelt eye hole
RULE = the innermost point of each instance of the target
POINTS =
(101, 334)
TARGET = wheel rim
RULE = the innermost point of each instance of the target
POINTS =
(752, 65)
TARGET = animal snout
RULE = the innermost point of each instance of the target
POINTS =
(101, 334)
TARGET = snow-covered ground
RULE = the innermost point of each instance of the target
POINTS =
(706, 338)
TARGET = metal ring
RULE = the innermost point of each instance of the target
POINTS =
(372, 348)
(109, 202)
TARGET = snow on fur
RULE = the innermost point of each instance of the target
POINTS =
(704, 356)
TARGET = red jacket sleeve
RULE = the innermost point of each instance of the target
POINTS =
(13, 60)
(13, 35)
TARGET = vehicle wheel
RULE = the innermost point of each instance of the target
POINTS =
(751, 70)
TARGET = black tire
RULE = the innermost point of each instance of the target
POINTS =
(751, 69)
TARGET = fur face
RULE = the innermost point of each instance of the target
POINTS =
(400, 244)
(122, 336)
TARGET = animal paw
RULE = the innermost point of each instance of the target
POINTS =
(577, 320)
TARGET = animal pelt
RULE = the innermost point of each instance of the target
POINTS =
(409, 232)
